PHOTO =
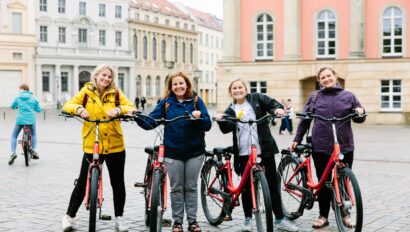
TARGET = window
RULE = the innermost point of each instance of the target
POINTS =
(46, 81)
(118, 38)
(200, 38)
(390, 95)
(146, 18)
(264, 37)
(191, 53)
(61, 34)
(17, 24)
(206, 39)
(17, 56)
(176, 52)
(201, 56)
(186, 26)
(177, 24)
(216, 42)
(258, 86)
(193, 27)
(135, 46)
(326, 35)
(164, 50)
(121, 81)
(101, 37)
(154, 49)
(148, 86)
(64, 81)
(145, 47)
(157, 86)
(43, 34)
(101, 10)
(82, 35)
(118, 12)
(137, 16)
(61, 6)
(183, 53)
(392, 32)
(167, 22)
(212, 41)
(156, 19)
(43, 5)
(82, 8)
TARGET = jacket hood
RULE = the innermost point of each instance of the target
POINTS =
(335, 89)
(25, 95)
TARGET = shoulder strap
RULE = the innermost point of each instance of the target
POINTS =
(312, 102)
(117, 98)
(195, 102)
(166, 105)
(85, 100)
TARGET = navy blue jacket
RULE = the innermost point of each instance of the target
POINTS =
(183, 139)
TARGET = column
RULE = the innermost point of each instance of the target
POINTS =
(39, 81)
(57, 79)
(76, 84)
(231, 30)
(356, 28)
(292, 30)
(132, 88)
(116, 75)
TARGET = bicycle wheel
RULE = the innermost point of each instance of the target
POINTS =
(93, 198)
(263, 213)
(212, 207)
(26, 149)
(351, 207)
(290, 196)
(147, 193)
(157, 202)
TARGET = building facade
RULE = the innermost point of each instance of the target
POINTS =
(73, 38)
(17, 47)
(278, 47)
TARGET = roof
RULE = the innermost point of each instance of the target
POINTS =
(160, 6)
(206, 19)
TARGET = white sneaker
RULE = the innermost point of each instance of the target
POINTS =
(120, 224)
(68, 223)
(247, 224)
(286, 225)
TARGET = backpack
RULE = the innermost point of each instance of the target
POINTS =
(117, 99)
(166, 105)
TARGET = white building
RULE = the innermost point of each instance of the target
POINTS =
(73, 38)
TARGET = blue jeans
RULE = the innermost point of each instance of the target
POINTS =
(15, 134)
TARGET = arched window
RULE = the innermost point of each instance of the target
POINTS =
(326, 34)
(145, 44)
(157, 86)
(392, 32)
(264, 37)
(148, 86)
(191, 53)
(135, 46)
(183, 53)
(154, 49)
(139, 92)
(176, 52)
(164, 50)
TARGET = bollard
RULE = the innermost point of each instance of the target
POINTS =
(4, 115)
(44, 117)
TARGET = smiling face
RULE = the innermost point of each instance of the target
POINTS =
(327, 78)
(238, 91)
(179, 87)
(103, 79)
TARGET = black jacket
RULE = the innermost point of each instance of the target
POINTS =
(261, 105)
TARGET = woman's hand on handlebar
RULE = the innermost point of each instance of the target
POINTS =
(82, 112)
(218, 116)
(280, 112)
(114, 112)
(359, 111)
(293, 146)
(196, 114)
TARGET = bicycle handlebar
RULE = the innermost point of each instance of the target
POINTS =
(227, 118)
(309, 115)
(162, 120)
(68, 115)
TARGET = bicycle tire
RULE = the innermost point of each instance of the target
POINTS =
(93, 198)
(208, 173)
(26, 148)
(348, 187)
(157, 202)
(291, 199)
(263, 214)
(147, 191)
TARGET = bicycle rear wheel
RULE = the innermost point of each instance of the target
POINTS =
(263, 213)
(351, 207)
(291, 197)
(157, 202)
(26, 148)
(93, 199)
(212, 207)
(147, 191)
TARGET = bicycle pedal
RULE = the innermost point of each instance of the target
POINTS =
(105, 217)
(166, 222)
(227, 218)
(139, 184)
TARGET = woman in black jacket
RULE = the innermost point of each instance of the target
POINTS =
(248, 106)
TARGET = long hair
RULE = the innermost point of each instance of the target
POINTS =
(100, 68)
(189, 90)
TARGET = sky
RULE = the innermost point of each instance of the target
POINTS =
(208, 6)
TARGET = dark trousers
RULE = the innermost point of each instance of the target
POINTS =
(270, 172)
(325, 194)
(286, 123)
(115, 165)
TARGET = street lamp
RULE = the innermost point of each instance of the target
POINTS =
(58, 91)
(197, 76)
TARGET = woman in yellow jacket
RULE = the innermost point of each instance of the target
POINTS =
(100, 99)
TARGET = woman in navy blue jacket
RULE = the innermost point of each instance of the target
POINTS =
(330, 101)
(184, 145)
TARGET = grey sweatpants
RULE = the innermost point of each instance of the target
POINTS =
(183, 176)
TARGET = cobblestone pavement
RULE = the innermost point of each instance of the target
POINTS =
(35, 198)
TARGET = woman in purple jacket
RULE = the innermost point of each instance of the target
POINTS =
(330, 101)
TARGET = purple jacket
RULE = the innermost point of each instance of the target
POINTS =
(335, 102)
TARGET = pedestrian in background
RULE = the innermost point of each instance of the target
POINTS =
(27, 105)
(137, 102)
(143, 101)
(102, 93)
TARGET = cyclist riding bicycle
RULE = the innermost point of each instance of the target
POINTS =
(252, 106)
(100, 99)
(27, 105)
(330, 101)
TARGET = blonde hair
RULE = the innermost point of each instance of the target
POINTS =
(323, 69)
(240, 80)
(189, 90)
(100, 68)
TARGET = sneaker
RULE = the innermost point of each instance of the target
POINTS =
(12, 158)
(68, 223)
(247, 224)
(120, 224)
(34, 154)
(286, 225)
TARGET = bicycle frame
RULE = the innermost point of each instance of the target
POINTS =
(26, 136)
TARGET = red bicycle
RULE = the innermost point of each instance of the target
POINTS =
(219, 195)
(299, 190)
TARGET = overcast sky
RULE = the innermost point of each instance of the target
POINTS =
(209, 6)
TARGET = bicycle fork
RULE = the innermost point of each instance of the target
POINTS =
(88, 187)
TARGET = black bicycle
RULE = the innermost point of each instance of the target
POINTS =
(26, 144)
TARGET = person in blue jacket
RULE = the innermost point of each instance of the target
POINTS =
(184, 146)
(27, 105)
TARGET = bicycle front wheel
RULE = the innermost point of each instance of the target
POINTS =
(93, 198)
(212, 202)
(263, 213)
(157, 202)
(349, 212)
(147, 192)
(26, 153)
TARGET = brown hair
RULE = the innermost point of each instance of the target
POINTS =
(24, 87)
(189, 90)
(240, 80)
(323, 69)
(100, 68)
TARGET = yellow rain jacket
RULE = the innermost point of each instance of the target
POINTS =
(110, 136)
